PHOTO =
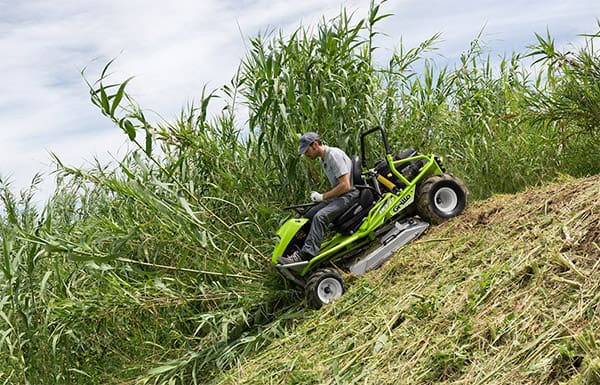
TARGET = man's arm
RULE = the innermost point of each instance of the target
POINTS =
(342, 187)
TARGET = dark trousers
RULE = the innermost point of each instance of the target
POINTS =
(321, 216)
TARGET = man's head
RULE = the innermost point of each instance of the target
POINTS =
(306, 140)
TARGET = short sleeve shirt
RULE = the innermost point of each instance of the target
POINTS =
(335, 164)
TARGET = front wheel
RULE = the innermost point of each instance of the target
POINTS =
(441, 197)
(323, 286)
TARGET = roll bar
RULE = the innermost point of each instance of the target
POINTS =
(362, 143)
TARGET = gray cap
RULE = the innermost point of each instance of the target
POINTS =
(306, 140)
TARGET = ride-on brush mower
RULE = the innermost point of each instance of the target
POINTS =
(399, 197)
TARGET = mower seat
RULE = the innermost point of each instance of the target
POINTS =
(350, 220)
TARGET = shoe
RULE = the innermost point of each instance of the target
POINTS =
(292, 258)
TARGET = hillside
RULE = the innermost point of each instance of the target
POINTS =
(155, 268)
(507, 293)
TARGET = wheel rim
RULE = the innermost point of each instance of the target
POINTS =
(329, 289)
(445, 200)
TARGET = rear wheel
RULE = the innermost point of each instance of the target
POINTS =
(323, 287)
(441, 197)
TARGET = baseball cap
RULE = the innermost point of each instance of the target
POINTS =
(306, 140)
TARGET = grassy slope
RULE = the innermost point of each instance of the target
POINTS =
(507, 293)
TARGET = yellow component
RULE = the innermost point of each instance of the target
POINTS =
(387, 183)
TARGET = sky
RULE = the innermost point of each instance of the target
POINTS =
(173, 49)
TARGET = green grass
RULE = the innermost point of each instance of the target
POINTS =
(506, 293)
(156, 269)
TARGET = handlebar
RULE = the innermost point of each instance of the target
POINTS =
(301, 208)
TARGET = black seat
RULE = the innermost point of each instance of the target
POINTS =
(357, 176)
(350, 221)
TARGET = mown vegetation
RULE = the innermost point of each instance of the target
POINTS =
(156, 269)
(507, 293)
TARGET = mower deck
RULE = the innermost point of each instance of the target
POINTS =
(402, 233)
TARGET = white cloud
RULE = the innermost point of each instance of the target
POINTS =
(175, 48)
(507, 25)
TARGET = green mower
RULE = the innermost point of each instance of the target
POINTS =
(400, 196)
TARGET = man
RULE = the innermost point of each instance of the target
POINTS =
(332, 203)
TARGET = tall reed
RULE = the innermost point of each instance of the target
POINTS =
(156, 269)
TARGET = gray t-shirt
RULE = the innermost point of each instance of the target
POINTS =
(336, 163)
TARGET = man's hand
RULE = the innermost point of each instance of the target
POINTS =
(316, 197)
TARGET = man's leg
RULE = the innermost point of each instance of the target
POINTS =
(321, 216)
(315, 209)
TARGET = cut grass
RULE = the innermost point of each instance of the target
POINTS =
(156, 269)
(506, 293)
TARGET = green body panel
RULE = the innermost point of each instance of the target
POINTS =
(390, 206)
(285, 234)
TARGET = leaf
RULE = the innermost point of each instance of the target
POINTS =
(148, 148)
(129, 129)
(104, 99)
(162, 369)
(118, 96)
(44, 283)
(79, 372)
(186, 206)
(103, 75)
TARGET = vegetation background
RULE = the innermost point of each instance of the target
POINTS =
(156, 269)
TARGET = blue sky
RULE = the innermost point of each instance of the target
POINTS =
(175, 48)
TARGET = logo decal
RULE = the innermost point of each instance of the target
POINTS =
(403, 202)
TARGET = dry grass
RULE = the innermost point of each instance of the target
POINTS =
(506, 293)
